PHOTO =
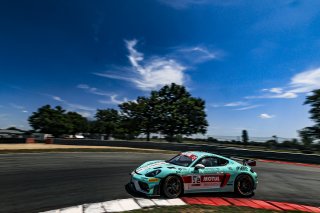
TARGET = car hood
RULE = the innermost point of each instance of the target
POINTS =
(153, 165)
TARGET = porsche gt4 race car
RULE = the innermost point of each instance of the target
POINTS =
(194, 172)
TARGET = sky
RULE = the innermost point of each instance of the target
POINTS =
(253, 62)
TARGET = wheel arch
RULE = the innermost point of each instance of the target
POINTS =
(172, 174)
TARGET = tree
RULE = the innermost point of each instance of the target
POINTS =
(313, 132)
(307, 136)
(50, 120)
(78, 123)
(245, 137)
(141, 115)
(178, 113)
(107, 121)
(275, 138)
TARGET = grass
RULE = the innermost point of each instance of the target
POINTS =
(204, 208)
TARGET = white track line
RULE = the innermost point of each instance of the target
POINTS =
(119, 205)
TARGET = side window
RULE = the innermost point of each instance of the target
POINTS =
(212, 161)
(223, 162)
(209, 162)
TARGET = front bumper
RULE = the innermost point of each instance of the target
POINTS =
(146, 185)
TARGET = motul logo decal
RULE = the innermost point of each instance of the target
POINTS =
(210, 179)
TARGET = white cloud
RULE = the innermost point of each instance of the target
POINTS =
(57, 98)
(306, 81)
(276, 90)
(265, 116)
(114, 100)
(85, 114)
(73, 106)
(196, 54)
(301, 83)
(148, 74)
(93, 90)
(234, 104)
(24, 111)
(111, 96)
(248, 107)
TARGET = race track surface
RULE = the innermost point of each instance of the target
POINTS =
(46, 181)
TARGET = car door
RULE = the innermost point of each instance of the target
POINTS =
(208, 178)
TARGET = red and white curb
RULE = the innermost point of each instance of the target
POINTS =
(252, 203)
(120, 205)
(129, 204)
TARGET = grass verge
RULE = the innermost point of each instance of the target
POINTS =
(204, 208)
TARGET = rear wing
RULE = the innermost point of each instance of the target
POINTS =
(245, 162)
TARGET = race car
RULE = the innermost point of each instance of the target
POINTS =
(194, 172)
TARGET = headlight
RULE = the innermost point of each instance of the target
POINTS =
(153, 173)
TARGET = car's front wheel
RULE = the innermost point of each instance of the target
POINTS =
(172, 187)
(244, 185)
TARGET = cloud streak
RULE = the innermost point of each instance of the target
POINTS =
(248, 107)
(73, 105)
(112, 96)
(113, 100)
(184, 4)
(265, 116)
(301, 83)
(149, 74)
(235, 104)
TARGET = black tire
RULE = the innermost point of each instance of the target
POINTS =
(244, 185)
(172, 186)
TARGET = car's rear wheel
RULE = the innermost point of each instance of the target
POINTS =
(172, 186)
(244, 185)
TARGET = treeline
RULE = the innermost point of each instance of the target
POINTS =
(171, 111)
(310, 134)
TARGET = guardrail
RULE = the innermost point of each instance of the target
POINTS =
(226, 151)
(12, 140)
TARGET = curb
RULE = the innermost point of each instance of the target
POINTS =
(121, 205)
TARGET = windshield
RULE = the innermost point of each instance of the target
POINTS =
(181, 160)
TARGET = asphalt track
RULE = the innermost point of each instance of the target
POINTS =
(46, 181)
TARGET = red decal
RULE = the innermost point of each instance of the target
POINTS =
(210, 178)
(186, 179)
(189, 155)
(226, 178)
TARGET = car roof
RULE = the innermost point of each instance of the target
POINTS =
(201, 154)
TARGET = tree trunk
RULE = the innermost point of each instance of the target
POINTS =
(148, 136)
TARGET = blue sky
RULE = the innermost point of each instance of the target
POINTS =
(253, 62)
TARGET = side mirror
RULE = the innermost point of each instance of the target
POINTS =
(251, 163)
(199, 166)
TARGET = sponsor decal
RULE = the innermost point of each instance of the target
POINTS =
(153, 179)
(243, 168)
(210, 178)
(196, 179)
(150, 166)
(190, 155)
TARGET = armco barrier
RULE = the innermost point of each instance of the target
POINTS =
(12, 140)
(226, 151)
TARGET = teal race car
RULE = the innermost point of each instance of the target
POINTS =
(194, 172)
